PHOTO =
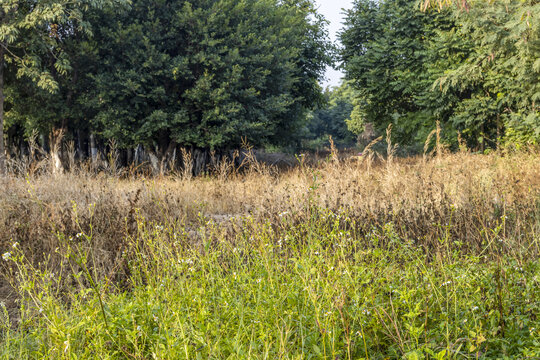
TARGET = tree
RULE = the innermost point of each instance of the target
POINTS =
(331, 119)
(475, 71)
(384, 51)
(498, 75)
(31, 34)
(206, 74)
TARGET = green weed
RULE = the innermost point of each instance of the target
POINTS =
(286, 289)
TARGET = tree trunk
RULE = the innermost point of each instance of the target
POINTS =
(80, 152)
(56, 143)
(154, 161)
(200, 158)
(129, 157)
(93, 150)
(137, 157)
(2, 149)
(166, 157)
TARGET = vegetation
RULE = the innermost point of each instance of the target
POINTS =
(31, 37)
(330, 120)
(433, 257)
(137, 221)
(474, 68)
(151, 79)
(163, 75)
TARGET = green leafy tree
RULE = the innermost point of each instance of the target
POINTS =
(31, 37)
(475, 70)
(331, 119)
(384, 51)
(497, 78)
(207, 73)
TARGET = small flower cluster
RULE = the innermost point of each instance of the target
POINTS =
(8, 255)
(366, 312)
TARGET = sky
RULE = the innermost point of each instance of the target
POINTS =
(332, 11)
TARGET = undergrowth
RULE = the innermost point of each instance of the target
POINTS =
(315, 289)
(361, 258)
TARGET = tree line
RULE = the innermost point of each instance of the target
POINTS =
(159, 75)
(473, 66)
(154, 77)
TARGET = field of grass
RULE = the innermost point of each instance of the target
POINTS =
(418, 258)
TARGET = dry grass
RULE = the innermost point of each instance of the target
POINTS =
(462, 194)
(474, 200)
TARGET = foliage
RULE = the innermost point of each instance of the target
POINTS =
(500, 73)
(209, 73)
(32, 34)
(418, 257)
(331, 119)
(203, 74)
(383, 52)
(474, 74)
(307, 290)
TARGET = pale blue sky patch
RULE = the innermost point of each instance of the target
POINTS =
(333, 12)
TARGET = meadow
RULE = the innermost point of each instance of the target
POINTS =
(363, 257)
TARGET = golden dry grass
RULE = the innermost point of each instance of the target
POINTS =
(473, 200)
(469, 193)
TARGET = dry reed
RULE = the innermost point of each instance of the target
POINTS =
(461, 196)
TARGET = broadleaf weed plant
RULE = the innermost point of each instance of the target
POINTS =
(294, 290)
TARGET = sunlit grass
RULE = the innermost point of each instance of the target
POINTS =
(315, 289)
(422, 258)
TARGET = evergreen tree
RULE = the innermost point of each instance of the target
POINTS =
(207, 73)
(31, 37)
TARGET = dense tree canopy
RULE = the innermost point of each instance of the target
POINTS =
(211, 74)
(203, 74)
(32, 39)
(330, 120)
(207, 73)
(476, 69)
